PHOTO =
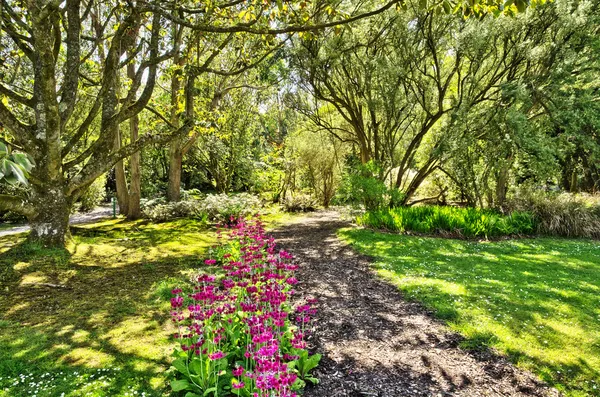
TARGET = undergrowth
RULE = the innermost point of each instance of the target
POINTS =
(451, 221)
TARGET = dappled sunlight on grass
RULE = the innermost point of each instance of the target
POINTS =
(102, 303)
(536, 300)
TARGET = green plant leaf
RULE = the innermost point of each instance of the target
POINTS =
(180, 366)
(180, 385)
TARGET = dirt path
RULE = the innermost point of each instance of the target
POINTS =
(373, 342)
(75, 219)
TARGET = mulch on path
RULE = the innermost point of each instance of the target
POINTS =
(374, 343)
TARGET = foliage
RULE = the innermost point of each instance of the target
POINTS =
(315, 163)
(299, 202)
(223, 207)
(159, 210)
(214, 207)
(453, 221)
(237, 336)
(94, 195)
(565, 214)
(14, 166)
(534, 300)
(361, 185)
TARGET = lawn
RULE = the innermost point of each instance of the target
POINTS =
(94, 320)
(536, 300)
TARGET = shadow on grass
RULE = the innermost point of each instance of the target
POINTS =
(535, 300)
(102, 303)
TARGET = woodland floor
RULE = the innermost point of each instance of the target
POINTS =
(376, 343)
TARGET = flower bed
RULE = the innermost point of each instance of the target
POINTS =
(238, 332)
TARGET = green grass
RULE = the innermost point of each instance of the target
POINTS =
(450, 221)
(535, 300)
(107, 333)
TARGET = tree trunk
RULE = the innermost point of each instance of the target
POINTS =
(176, 146)
(121, 181)
(175, 160)
(50, 223)
(135, 187)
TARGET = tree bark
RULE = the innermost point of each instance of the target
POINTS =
(175, 160)
(50, 221)
(121, 180)
(135, 188)
(176, 146)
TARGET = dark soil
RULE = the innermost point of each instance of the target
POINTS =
(374, 342)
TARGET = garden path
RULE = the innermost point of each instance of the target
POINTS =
(374, 342)
(79, 218)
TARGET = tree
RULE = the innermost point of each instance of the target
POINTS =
(397, 86)
(68, 82)
(56, 46)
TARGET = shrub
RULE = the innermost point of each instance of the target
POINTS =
(299, 202)
(222, 207)
(361, 185)
(238, 334)
(463, 222)
(93, 196)
(159, 210)
(214, 207)
(561, 214)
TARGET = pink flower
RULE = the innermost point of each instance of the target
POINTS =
(210, 262)
(216, 355)
(238, 385)
(176, 302)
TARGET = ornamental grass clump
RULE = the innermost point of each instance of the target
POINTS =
(238, 332)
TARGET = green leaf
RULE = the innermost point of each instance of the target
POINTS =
(208, 391)
(180, 366)
(312, 362)
(179, 385)
(312, 380)
(190, 394)
(23, 160)
(195, 366)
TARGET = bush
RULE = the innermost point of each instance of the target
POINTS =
(93, 196)
(361, 186)
(214, 207)
(222, 207)
(462, 222)
(159, 210)
(238, 334)
(300, 202)
(561, 214)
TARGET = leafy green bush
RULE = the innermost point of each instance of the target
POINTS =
(362, 186)
(93, 195)
(561, 214)
(464, 222)
(299, 202)
(159, 210)
(223, 207)
(214, 207)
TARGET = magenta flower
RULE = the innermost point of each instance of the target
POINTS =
(216, 355)
(238, 385)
